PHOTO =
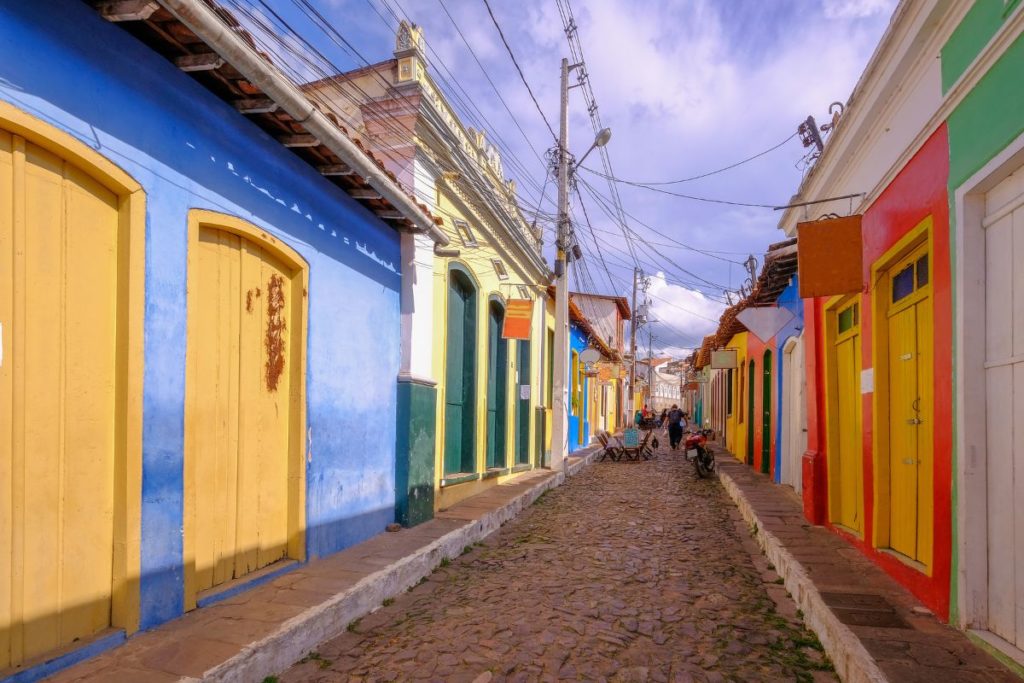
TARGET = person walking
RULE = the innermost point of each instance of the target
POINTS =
(676, 420)
(662, 418)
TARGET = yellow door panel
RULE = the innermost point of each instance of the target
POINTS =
(903, 454)
(925, 504)
(849, 430)
(60, 348)
(909, 406)
(239, 422)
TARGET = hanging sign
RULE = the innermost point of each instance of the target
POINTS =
(830, 257)
(518, 316)
(590, 355)
(724, 359)
(764, 322)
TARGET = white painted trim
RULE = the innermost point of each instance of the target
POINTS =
(969, 376)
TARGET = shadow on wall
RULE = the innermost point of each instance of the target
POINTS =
(47, 654)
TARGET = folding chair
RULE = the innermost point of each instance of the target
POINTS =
(607, 450)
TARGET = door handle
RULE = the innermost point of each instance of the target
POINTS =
(916, 405)
(914, 421)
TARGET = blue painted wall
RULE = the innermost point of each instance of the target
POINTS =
(791, 301)
(577, 342)
(63, 64)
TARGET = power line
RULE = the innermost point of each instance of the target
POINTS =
(708, 200)
(519, 69)
(639, 183)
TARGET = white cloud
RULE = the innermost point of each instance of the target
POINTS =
(856, 9)
(684, 316)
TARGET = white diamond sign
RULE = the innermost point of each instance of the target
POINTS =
(764, 321)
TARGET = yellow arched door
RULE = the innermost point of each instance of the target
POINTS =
(242, 398)
(62, 399)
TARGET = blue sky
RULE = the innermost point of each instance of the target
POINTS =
(687, 86)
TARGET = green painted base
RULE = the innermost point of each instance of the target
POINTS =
(414, 469)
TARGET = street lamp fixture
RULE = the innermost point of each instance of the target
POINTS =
(600, 140)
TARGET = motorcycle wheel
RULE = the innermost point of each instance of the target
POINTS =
(704, 463)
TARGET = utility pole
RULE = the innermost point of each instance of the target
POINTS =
(560, 414)
(632, 352)
(650, 368)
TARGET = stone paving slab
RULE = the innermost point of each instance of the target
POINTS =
(263, 630)
(818, 567)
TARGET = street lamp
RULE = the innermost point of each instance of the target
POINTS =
(600, 140)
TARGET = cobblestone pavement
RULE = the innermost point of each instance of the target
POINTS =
(628, 572)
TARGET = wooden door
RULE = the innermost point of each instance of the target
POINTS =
(750, 413)
(523, 404)
(846, 473)
(766, 414)
(497, 387)
(241, 394)
(1004, 403)
(460, 377)
(795, 416)
(60, 399)
(909, 406)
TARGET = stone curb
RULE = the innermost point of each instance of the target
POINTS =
(851, 660)
(302, 633)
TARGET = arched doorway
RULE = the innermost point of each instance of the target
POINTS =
(523, 366)
(497, 386)
(72, 258)
(750, 412)
(766, 414)
(460, 375)
(244, 398)
(794, 435)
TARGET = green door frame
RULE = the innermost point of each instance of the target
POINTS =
(497, 386)
(766, 410)
(750, 412)
(460, 374)
(523, 412)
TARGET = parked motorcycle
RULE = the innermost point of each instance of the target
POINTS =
(697, 451)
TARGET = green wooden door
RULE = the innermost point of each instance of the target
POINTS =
(766, 411)
(523, 412)
(460, 376)
(750, 413)
(497, 387)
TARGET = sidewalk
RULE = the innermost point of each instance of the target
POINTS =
(872, 628)
(264, 630)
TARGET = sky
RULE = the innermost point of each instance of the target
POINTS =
(687, 87)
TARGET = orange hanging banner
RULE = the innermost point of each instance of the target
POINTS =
(518, 315)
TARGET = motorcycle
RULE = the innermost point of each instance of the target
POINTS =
(698, 452)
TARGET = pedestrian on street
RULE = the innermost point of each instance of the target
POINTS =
(638, 417)
(662, 418)
(676, 420)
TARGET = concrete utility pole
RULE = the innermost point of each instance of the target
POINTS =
(650, 367)
(632, 353)
(560, 413)
(560, 388)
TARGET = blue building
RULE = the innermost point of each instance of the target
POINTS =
(201, 327)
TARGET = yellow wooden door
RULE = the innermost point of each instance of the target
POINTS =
(909, 407)
(846, 475)
(238, 420)
(59, 281)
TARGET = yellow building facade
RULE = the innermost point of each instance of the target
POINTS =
(479, 405)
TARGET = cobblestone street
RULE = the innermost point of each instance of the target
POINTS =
(629, 572)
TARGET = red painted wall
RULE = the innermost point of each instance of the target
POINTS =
(917, 192)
